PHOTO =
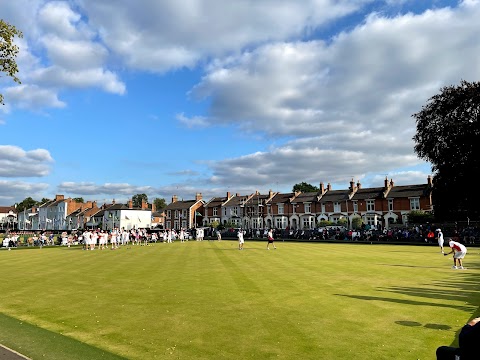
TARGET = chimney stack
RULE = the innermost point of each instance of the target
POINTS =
(174, 198)
(198, 197)
(322, 188)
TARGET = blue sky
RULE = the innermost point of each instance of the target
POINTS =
(179, 97)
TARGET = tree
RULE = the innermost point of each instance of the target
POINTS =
(159, 204)
(448, 129)
(78, 200)
(26, 203)
(304, 187)
(8, 51)
(137, 200)
(419, 217)
(357, 222)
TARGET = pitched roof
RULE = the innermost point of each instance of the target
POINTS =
(407, 191)
(369, 193)
(6, 209)
(180, 205)
(281, 198)
(306, 197)
(237, 200)
(216, 201)
(334, 196)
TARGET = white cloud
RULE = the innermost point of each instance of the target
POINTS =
(163, 35)
(17, 162)
(32, 97)
(347, 103)
(58, 77)
(58, 19)
(196, 121)
(74, 54)
(59, 51)
(15, 191)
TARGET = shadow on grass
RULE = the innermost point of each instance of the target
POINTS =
(428, 326)
(414, 266)
(35, 342)
(464, 288)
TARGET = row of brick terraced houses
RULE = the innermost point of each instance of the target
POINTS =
(380, 206)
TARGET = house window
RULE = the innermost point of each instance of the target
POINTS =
(390, 204)
(169, 224)
(176, 224)
(323, 208)
(184, 213)
(184, 224)
(370, 205)
(337, 207)
(355, 207)
(269, 210)
(280, 208)
(415, 204)
(308, 208)
(224, 211)
(308, 222)
(370, 220)
(215, 211)
(175, 214)
(281, 222)
(235, 211)
(169, 213)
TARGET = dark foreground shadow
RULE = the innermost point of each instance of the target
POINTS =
(35, 342)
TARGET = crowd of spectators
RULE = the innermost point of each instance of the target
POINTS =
(415, 234)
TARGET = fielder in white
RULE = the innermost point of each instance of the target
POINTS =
(440, 239)
(459, 251)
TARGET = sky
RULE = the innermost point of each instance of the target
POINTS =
(119, 98)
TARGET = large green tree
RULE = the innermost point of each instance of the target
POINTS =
(26, 203)
(304, 187)
(159, 204)
(448, 136)
(8, 52)
(137, 200)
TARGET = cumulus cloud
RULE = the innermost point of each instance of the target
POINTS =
(346, 103)
(14, 191)
(89, 188)
(60, 51)
(192, 122)
(17, 162)
(164, 35)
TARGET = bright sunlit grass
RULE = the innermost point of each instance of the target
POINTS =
(208, 300)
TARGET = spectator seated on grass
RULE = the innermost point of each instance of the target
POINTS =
(468, 342)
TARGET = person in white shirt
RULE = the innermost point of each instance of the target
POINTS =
(270, 239)
(440, 239)
(241, 240)
(459, 251)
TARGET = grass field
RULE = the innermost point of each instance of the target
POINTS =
(208, 300)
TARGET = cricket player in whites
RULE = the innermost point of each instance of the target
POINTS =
(440, 239)
(459, 251)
